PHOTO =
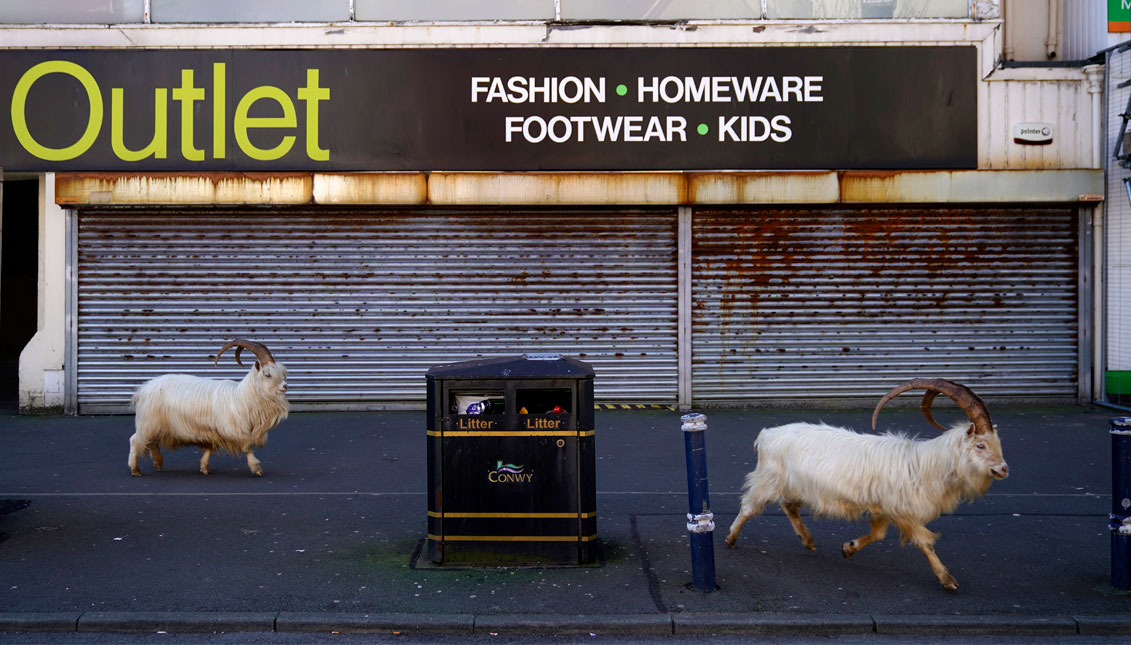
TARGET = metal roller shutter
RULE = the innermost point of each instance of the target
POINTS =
(800, 305)
(358, 304)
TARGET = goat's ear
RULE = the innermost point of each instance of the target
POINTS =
(256, 366)
(970, 430)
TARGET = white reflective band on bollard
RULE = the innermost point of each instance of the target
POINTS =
(694, 422)
(704, 523)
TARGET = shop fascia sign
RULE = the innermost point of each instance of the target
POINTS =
(489, 109)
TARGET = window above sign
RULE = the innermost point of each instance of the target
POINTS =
(300, 11)
(62, 12)
(661, 9)
(442, 10)
(866, 9)
(213, 11)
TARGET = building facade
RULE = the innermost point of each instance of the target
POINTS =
(713, 203)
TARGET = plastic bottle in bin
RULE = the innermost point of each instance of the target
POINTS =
(487, 406)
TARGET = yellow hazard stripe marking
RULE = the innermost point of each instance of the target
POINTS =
(537, 516)
(511, 538)
(631, 406)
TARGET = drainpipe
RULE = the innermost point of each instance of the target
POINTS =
(1095, 78)
(1006, 31)
(683, 368)
(1052, 42)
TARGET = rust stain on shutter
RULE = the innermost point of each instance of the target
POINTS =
(796, 304)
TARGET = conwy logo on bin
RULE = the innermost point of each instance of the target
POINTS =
(508, 474)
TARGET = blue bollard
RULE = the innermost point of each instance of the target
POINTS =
(700, 520)
(1121, 502)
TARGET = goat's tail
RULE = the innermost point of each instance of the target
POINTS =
(756, 493)
(749, 480)
(765, 483)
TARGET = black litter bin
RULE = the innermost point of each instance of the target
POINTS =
(511, 461)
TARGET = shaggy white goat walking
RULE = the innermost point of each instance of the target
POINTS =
(176, 410)
(896, 480)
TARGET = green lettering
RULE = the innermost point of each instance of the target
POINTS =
(242, 122)
(19, 107)
(187, 94)
(219, 107)
(312, 94)
(156, 147)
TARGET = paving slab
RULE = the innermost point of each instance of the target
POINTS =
(574, 625)
(181, 622)
(772, 624)
(988, 625)
(363, 623)
(1104, 625)
(40, 621)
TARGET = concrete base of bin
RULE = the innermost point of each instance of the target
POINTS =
(454, 555)
(512, 553)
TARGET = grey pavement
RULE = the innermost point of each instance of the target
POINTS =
(329, 540)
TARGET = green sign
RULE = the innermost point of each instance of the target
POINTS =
(1118, 16)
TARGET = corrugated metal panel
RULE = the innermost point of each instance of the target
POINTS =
(1058, 96)
(1117, 210)
(1085, 29)
(359, 303)
(802, 305)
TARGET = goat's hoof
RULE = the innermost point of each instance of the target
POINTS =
(847, 549)
(809, 545)
(205, 471)
(135, 473)
(949, 583)
(730, 541)
(257, 473)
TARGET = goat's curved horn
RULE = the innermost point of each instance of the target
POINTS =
(928, 398)
(973, 406)
(260, 350)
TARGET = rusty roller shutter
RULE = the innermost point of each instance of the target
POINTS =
(808, 304)
(359, 304)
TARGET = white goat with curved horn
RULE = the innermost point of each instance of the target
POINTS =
(896, 480)
(176, 410)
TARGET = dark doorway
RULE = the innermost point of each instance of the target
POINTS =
(19, 271)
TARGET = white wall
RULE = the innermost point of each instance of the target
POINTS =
(41, 362)
(1058, 96)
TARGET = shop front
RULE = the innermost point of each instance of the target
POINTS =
(704, 226)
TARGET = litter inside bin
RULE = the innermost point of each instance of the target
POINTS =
(479, 403)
